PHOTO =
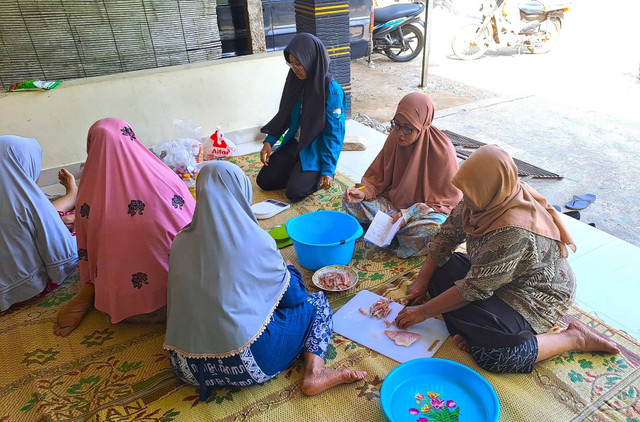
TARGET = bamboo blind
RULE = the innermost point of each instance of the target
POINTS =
(66, 39)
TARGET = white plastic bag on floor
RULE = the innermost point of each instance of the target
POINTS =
(185, 151)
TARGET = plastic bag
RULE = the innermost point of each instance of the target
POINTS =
(354, 143)
(187, 129)
(182, 154)
(30, 85)
(217, 146)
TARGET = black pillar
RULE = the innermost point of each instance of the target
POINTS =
(329, 21)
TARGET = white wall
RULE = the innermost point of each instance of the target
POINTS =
(237, 93)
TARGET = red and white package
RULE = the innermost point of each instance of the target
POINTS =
(219, 146)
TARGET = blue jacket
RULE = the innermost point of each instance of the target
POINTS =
(323, 152)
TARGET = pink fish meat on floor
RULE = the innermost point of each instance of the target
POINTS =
(402, 338)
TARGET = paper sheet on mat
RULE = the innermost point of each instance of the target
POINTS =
(369, 331)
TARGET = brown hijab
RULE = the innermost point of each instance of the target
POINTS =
(489, 179)
(419, 172)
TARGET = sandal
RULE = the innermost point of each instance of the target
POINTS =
(580, 202)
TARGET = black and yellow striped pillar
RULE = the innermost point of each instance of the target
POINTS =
(329, 21)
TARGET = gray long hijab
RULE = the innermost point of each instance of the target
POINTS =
(226, 275)
(35, 245)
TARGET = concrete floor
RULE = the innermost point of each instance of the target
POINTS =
(594, 152)
(572, 111)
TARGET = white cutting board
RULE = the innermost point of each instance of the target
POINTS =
(369, 331)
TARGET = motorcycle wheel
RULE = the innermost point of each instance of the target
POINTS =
(550, 30)
(471, 41)
(413, 39)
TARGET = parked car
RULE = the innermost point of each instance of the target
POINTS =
(280, 25)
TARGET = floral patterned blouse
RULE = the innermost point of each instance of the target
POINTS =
(524, 269)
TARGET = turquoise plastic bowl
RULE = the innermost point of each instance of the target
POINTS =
(324, 238)
(461, 391)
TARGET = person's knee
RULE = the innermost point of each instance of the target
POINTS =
(324, 301)
(266, 180)
(487, 359)
(512, 369)
(491, 366)
(262, 181)
(295, 195)
(507, 360)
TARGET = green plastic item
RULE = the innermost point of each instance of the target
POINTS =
(279, 232)
(280, 235)
(283, 243)
(34, 85)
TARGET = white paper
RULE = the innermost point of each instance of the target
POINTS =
(382, 229)
(369, 331)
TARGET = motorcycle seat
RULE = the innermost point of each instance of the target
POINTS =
(395, 11)
(531, 7)
(536, 7)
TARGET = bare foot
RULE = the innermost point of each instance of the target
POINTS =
(461, 343)
(588, 341)
(72, 313)
(67, 180)
(317, 382)
(65, 325)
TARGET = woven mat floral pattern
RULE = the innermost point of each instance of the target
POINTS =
(119, 373)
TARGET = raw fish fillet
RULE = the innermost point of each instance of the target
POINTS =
(402, 338)
(334, 280)
(380, 309)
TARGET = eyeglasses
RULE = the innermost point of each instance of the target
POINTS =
(406, 130)
(297, 65)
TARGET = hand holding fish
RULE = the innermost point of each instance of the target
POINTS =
(411, 315)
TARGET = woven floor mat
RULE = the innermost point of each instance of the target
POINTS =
(119, 373)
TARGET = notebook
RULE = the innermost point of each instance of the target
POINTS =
(382, 229)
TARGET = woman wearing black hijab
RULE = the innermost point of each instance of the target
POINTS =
(311, 113)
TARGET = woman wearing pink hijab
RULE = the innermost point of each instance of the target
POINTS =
(130, 206)
(410, 178)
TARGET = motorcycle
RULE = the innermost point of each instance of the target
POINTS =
(395, 33)
(535, 25)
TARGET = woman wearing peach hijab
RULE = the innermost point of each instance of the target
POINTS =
(130, 206)
(514, 284)
(410, 178)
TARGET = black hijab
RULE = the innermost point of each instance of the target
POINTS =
(311, 53)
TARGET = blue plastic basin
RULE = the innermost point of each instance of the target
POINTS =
(462, 394)
(324, 238)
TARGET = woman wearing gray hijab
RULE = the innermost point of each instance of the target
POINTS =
(37, 250)
(237, 314)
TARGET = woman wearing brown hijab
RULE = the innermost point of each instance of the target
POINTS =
(514, 284)
(410, 178)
